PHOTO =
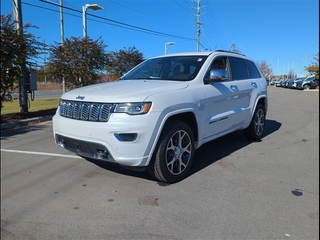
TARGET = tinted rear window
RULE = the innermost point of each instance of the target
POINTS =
(238, 68)
(253, 71)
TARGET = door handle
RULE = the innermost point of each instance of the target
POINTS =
(254, 85)
(233, 87)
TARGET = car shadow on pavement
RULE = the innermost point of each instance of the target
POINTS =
(113, 167)
(206, 155)
(224, 146)
(271, 127)
(6, 133)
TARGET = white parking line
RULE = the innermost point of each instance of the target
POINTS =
(39, 153)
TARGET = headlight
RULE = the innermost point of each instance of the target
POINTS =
(133, 108)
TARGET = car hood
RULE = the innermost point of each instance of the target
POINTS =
(122, 91)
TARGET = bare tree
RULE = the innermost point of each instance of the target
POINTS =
(265, 69)
(234, 48)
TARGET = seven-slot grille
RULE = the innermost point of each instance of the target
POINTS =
(85, 110)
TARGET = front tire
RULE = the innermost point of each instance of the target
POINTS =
(255, 129)
(306, 87)
(174, 153)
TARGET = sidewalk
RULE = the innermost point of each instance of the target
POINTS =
(25, 122)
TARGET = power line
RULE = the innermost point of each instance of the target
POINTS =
(151, 16)
(181, 6)
(120, 24)
(215, 27)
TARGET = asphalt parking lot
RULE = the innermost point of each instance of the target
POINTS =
(237, 189)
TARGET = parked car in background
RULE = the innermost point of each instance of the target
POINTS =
(296, 81)
(289, 83)
(284, 83)
(278, 83)
(308, 83)
(273, 82)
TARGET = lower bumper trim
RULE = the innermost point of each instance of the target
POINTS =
(84, 148)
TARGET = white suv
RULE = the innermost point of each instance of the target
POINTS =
(160, 112)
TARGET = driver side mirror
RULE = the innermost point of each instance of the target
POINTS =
(217, 75)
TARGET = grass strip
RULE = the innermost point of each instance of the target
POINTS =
(34, 106)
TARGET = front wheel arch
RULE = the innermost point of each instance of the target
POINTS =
(174, 153)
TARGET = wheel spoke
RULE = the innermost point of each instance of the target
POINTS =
(178, 152)
(259, 122)
(171, 145)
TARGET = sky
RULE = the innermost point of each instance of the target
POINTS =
(283, 33)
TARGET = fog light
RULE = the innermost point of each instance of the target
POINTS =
(126, 137)
(102, 154)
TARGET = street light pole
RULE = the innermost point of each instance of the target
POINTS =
(295, 67)
(166, 46)
(305, 60)
(84, 19)
(292, 68)
(62, 43)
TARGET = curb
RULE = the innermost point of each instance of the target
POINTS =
(25, 122)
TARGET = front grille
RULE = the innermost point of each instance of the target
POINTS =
(86, 111)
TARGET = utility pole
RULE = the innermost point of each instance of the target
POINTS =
(23, 94)
(62, 42)
(198, 25)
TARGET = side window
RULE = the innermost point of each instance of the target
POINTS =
(218, 63)
(238, 68)
(253, 71)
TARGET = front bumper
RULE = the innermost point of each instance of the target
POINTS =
(124, 139)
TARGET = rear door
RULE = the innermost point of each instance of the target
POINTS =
(228, 102)
(247, 77)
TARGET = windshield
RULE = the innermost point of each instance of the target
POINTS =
(177, 68)
(310, 78)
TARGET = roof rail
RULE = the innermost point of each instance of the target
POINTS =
(229, 52)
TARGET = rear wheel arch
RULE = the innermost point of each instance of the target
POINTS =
(257, 124)
(262, 101)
